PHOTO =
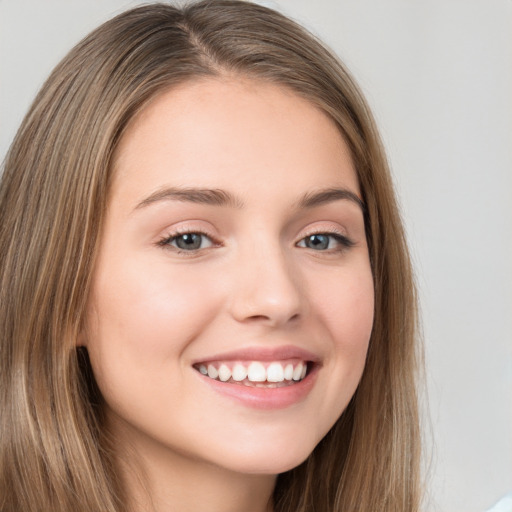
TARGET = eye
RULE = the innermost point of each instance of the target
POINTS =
(325, 242)
(188, 241)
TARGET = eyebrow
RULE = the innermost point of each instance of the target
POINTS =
(214, 197)
(219, 197)
(324, 196)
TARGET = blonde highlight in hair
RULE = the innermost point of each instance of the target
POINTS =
(54, 453)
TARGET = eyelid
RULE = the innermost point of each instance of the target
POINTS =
(324, 229)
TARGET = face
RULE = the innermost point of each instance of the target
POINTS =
(232, 300)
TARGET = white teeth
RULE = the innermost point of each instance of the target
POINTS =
(297, 372)
(212, 372)
(239, 372)
(256, 372)
(275, 373)
(224, 373)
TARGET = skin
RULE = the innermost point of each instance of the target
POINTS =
(155, 310)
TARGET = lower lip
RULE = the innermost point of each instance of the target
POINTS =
(264, 398)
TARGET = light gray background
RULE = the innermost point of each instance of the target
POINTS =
(438, 74)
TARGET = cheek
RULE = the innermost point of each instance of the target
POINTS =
(342, 312)
(346, 312)
(142, 320)
(347, 308)
(153, 305)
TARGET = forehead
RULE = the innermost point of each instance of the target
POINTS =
(232, 133)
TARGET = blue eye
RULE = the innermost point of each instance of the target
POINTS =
(188, 241)
(325, 241)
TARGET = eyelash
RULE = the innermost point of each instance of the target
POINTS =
(343, 241)
(166, 241)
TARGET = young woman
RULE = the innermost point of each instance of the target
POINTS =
(206, 297)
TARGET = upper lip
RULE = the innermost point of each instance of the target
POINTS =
(263, 354)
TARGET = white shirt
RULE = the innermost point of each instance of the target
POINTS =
(504, 505)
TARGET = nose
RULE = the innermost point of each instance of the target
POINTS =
(267, 289)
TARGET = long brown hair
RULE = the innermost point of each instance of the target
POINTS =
(54, 455)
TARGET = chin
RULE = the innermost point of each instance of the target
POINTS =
(272, 459)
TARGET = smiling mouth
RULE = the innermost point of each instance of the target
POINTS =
(268, 374)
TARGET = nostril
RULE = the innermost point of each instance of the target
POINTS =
(258, 317)
(272, 319)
